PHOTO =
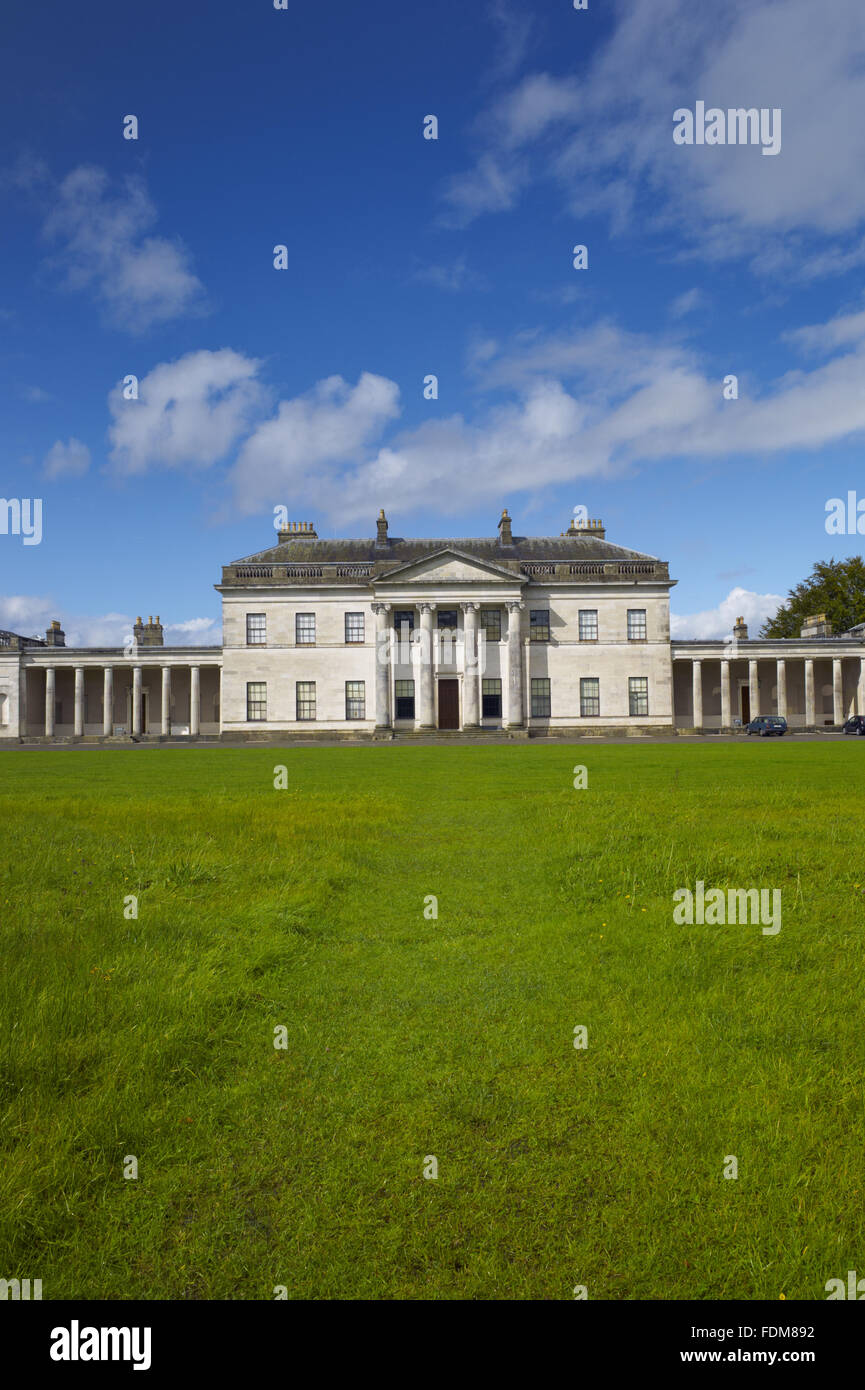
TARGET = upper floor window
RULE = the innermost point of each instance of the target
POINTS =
(539, 624)
(306, 699)
(256, 700)
(491, 624)
(354, 627)
(447, 618)
(588, 624)
(304, 629)
(403, 618)
(636, 624)
(256, 629)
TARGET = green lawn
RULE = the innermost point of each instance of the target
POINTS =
(410, 1037)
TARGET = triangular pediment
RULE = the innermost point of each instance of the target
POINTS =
(450, 566)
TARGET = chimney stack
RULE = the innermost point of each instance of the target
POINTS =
(381, 539)
(505, 537)
(55, 636)
(740, 630)
(298, 531)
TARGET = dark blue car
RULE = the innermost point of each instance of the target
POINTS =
(767, 726)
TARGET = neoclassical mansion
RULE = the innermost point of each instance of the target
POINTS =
(390, 637)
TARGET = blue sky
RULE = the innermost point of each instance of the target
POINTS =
(303, 387)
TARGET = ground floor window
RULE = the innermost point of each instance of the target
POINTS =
(540, 697)
(306, 699)
(355, 700)
(638, 695)
(590, 697)
(491, 696)
(256, 700)
(404, 693)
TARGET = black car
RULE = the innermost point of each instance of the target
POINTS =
(767, 725)
(855, 724)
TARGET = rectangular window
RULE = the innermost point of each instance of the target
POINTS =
(306, 699)
(539, 624)
(638, 695)
(304, 629)
(256, 700)
(540, 697)
(636, 624)
(491, 696)
(491, 624)
(402, 618)
(354, 627)
(590, 697)
(404, 694)
(447, 618)
(588, 624)
(355, 700)
(256, 629)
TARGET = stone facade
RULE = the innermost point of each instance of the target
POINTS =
(392, 637)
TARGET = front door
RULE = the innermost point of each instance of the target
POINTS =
(746, 705)
(449, 704)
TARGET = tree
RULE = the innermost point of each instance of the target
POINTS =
(835, 587)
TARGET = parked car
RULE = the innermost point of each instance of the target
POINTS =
(767, 726)
(855, 724)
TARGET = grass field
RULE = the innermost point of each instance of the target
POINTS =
(409, 1036)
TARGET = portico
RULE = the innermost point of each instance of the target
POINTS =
(105, 693)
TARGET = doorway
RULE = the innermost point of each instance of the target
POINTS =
(449, 704)
(746, 705)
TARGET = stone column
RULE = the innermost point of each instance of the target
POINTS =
(515, 717)
(79, 701)
(753, 689)
(136, 699)
(382, 665)
(427, 664)
(471, 667)
(166, 701)
(809, 692)
(782, 687)
(49, 701)
(107, 701)
(726, 719)
(194, 700)
(697, 691)
(837, 691)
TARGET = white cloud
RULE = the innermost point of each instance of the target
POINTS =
(606, 136)
(30, 616)
(687, 303)
(301, 448)
(714, 624)
(190, 413)
(69, 460)
(103, 244)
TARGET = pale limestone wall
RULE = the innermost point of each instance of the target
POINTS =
(10, 694)
(613, 659)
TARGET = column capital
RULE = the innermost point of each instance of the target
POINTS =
(381, 608)
(427, 606)
(470, 607)
(514, 605)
